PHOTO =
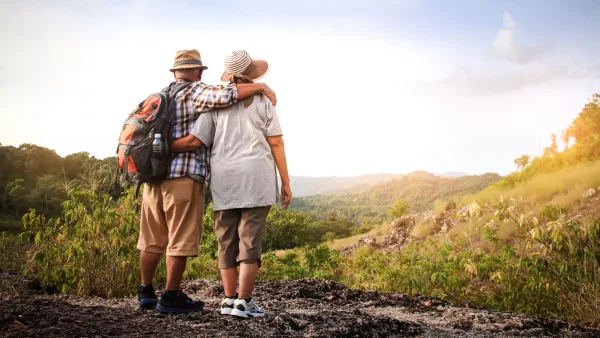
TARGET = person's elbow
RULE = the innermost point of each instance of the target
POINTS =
(193, 142)
(187, 143)
(275, 141)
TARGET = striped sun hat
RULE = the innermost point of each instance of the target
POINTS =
(239, 62)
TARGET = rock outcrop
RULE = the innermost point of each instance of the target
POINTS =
(400, 229)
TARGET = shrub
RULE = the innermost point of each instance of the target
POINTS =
(205, 265)
(321, 262)
(421, 231)
(329, 237)
(12, 253)
(399, 208)
(288, 229)
(90, 250)
(286, 267)
(8, 225)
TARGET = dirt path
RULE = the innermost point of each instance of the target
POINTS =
(302, 308)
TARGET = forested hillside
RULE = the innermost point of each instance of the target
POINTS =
(36, 177)
(580, 144)
(371, 205)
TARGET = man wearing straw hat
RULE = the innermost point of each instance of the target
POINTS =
(172, 210)
(247, 143)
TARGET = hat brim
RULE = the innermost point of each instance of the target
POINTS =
(187, 67)
(257, 70)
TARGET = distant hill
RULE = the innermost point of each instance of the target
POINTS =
(452, 174)
(371, 204)
(305, 186)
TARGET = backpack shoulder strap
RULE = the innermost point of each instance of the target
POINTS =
(174, 88)
(179, 87)
(138, 185)
(170, 92)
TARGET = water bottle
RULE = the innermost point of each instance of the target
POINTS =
(157, 146)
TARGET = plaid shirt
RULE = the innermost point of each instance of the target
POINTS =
(195, 99)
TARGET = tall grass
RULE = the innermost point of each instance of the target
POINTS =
(378, 230)
(562, 187)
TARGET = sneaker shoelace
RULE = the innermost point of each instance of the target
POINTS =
(254, 306)
(185, 297)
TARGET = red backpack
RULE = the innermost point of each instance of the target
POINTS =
(143, 153)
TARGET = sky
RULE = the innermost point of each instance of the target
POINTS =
(363, 86)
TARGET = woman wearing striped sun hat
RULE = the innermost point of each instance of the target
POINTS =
(239, 63)
(247, 145)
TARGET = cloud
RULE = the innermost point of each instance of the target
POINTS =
(506, 47)
(464, 81)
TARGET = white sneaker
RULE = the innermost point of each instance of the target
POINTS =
(244, 309)
(227, 306)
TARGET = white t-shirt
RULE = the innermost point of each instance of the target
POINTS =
(243, 173)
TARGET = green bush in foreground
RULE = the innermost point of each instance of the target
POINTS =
(316, 262)
(91, 248)
(88, 251)
(11, 252)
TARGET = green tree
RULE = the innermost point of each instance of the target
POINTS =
(38, 161)
(73, 164)
(339, 226)
(17, 192)
(46, 189)
(5, 170)
(566, 138)
(522, 162)
(96, 175)
(399, 208)
(287, 229)
(588, 122)
(551, 150)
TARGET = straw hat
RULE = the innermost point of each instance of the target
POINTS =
(239, 62)
(185, 59)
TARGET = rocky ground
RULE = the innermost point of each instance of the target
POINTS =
(299, 308)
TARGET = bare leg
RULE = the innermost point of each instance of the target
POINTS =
(247, 279)
(229, 277)
(175, 269)
(148, 263)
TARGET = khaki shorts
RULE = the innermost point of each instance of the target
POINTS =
(171, 219)
(239, 234)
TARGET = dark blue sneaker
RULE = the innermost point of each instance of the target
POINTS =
(147, 297)
(178, 302)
